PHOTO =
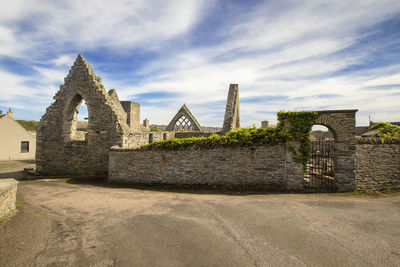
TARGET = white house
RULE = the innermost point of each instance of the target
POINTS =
(16, 143)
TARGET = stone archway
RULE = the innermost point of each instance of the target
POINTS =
(342, 124)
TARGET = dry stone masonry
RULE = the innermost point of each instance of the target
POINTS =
(262, 167)
(377, 164)
(8, 193)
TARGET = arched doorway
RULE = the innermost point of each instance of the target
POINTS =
(320, 171)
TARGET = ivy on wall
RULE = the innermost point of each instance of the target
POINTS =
(298, 128)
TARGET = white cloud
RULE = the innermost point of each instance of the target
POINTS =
(93, 23)
(276, 52)
(64, 60)
(16, 92)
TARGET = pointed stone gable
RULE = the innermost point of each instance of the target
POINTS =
(61, 148)
(232, 113)
(184, 120)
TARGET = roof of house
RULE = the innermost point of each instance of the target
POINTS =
(361, 129)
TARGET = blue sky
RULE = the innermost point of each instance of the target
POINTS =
(285, 55)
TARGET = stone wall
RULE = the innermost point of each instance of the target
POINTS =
(228, 167)
(192, 134)
(136, 140)
(132, 110)
(8, 191)
(377, 164)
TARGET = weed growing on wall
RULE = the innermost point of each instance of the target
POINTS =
(299, 128)
(386, 130)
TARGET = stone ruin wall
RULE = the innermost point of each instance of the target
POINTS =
(64, 150)
(377, 164)
(136, 140)
(232, 111)
(269, 167)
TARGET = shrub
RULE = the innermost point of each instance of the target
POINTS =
(386, 130)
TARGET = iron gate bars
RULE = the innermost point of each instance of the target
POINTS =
(320, 174)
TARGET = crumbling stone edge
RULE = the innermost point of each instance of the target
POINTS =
(8, 198)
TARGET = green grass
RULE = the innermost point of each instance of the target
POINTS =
(374, 193)
(29, 125)
(70, 181)
(19, 202)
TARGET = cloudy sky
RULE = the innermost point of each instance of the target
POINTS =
(285, 55)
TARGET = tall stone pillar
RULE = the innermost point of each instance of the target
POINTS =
(232, 114)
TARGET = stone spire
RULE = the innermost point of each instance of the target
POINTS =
(232, 113)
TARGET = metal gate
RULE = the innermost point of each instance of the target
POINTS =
(320, 173)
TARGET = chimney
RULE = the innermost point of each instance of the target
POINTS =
(146, 123)
(10, 114)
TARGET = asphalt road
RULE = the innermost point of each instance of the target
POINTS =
(63, 224)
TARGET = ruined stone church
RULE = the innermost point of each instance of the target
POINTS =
(66, 146)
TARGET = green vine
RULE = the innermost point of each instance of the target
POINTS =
(298, 125)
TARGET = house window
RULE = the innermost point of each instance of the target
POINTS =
(164, 136)
(24, 146)
(150, 138)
